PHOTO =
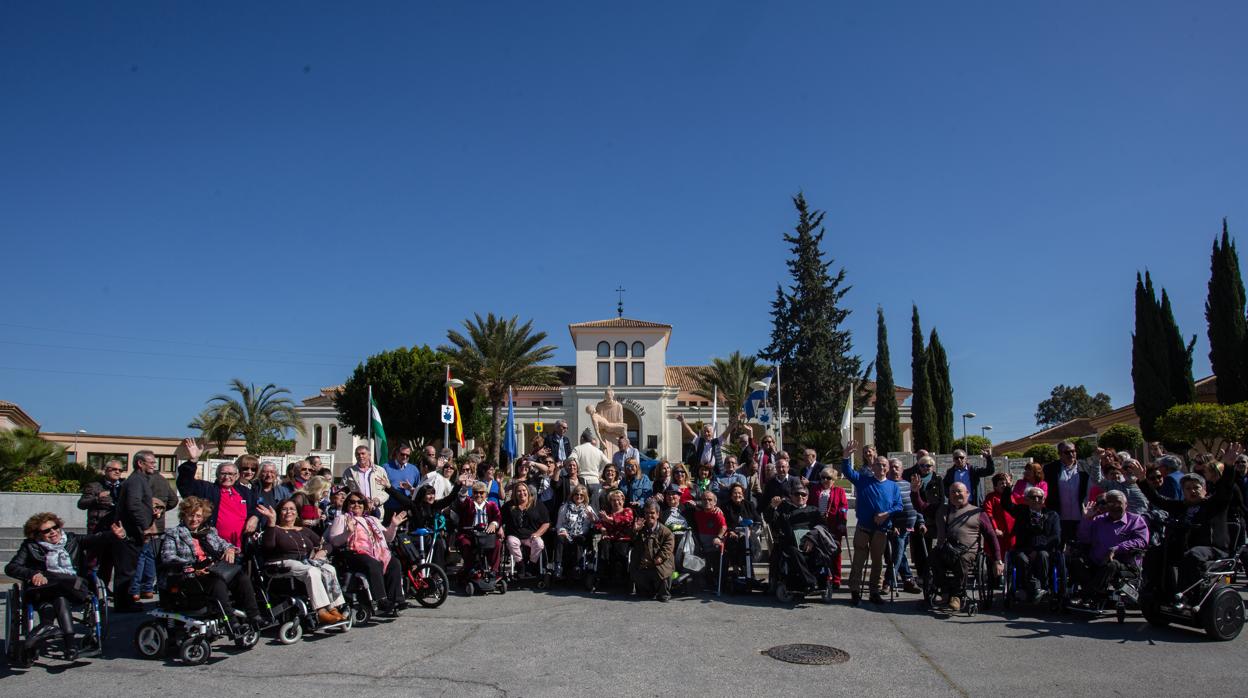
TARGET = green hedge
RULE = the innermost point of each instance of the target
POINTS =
(45, 485)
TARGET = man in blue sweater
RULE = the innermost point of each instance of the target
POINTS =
(877, 500)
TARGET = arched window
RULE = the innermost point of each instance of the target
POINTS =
(317, 435)
(639, 350)
(621, 350)
(333, 438)
(604, 349)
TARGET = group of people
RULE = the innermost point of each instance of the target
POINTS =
(560, 501)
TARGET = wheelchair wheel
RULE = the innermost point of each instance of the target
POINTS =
(151, 640)
(290, 632)
(827, 593)
(433, 585)
(249, 638)
(782, 593)
(501, 586)
(1121, 613)
(13, 646)
(194, 651)
(590, 581)
(470, 589)
(361, 613)
(1222, 614)
(1151, 610)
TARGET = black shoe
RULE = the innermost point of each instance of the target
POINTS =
(257, 621)
(855, 597)
(876, 598)
(69, 648)
(664, 598)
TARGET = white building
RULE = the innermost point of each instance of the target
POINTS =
(629, 356)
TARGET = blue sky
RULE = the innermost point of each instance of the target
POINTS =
(197, 192)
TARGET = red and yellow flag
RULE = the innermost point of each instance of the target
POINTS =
(459, 423)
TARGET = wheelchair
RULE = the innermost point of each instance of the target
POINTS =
(978, 588)
(516, 575)
(783, 579)
(423, 579)
(583, 564)
(284, 599)
(187, 622)
(1056, 587)
(481, 575)
(355, 591)
(736, 561)
(1210, 602)
(22, 622)
(609, 566)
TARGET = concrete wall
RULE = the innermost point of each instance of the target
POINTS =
(16, 507)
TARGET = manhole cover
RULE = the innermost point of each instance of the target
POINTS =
(808, 654)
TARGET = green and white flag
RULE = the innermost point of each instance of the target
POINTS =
(376, 430)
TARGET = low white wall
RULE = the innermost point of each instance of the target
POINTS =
(16, 507)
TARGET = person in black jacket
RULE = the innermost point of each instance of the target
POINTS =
(970, 476)
(424, 506)
(191, 486)
(558, 442)
(48, 563)
(1065, 477)
(1197, 532)
(786, 519)
(1037, 538)
(134, 512)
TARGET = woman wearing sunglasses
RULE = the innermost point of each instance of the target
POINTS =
(47, 563)
(367, 544)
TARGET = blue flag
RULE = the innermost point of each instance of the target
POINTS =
(509, 440)
(758, 396)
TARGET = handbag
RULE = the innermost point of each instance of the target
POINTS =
(689, 560)
(225, 571)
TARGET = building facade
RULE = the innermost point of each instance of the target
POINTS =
(627, 356)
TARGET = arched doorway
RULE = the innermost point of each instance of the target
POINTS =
(633, 430)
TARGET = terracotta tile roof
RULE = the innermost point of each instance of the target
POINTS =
(567, 376)
(619, 322)
(17, 414)
(683, 378)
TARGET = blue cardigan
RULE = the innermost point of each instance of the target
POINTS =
(872, 497)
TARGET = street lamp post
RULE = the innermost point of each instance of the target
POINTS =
(446, 427)
(983, 431)
(77, 457)
(966, 416)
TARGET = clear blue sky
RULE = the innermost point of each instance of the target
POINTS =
(276, 192)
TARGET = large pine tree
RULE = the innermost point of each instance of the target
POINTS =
(1228, 332)
(941, 387)
(922, 409)
(1161, 366)
(887, 415)
(807, 340)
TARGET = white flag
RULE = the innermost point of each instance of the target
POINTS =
(847, 421)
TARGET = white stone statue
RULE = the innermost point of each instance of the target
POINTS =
(608, 420)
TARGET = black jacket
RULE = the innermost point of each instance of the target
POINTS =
(976, 473)
(100, 510)
(1203, 523)
(1030, 538)
(30, 557)
(552, 442)
(420, 514)
(1053, 476)
(134, 509)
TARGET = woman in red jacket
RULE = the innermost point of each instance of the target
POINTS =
(478, 513)
(832, 502)
(997, 507)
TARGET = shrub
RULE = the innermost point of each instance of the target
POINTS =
(1122, 437)
(1041, 453)
(45, 485)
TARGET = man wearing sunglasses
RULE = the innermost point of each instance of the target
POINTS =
(1068, 489)
(1037, 539)
(235, 509)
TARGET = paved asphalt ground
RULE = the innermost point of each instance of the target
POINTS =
(567, 643)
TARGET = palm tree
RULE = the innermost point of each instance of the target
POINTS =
(495, 355)
(253, 415)
(23, 451)
(733, 377)
(217, 425)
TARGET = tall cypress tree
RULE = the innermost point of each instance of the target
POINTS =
(942, 392)
(922, 409)
(1179, 372)
(807, 340)
(1161, 366)
(1228, 331)
(887, 415)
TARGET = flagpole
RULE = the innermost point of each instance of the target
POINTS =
(446, 426)
(715, 412)
(779, 410)
(369, 408)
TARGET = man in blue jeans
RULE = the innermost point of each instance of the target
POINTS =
(878, 499)
(143, 585)
(899, 537)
